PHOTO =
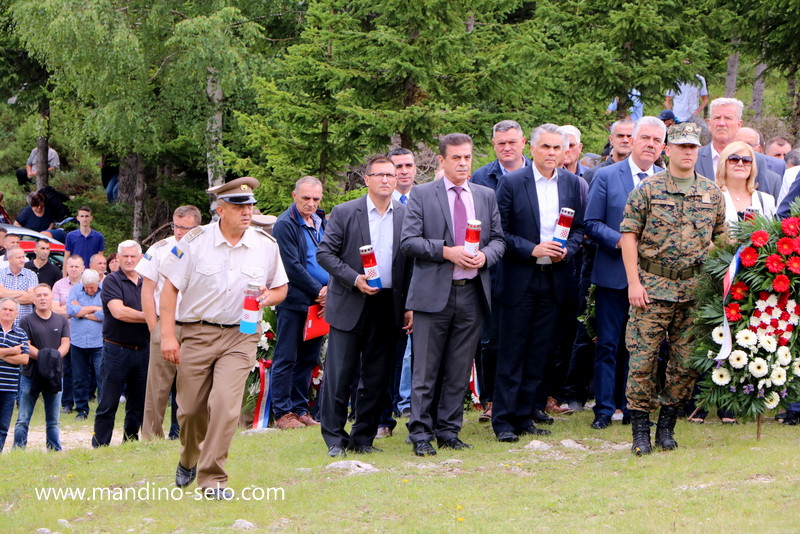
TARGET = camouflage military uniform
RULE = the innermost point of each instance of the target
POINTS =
(674, 232)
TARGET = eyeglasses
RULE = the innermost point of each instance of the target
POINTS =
(381, 175)
(733, 159)
(179, 227)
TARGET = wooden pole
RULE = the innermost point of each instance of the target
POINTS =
(758, 427)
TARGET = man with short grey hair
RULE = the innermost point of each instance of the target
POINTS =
(125, 348)
(572, 154)
(17, 282)
(724, 123)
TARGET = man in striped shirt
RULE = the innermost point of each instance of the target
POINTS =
(13, 353)
(17, 283)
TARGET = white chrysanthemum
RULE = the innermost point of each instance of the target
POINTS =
(796, 367)
(718, 335)
(776, 313)
(265, 326)
(761, 332)
(263, 343)
(758, 367)
(771, 400)
(761, 305)
(794, 319)
(791, 305)
(778, 376)
(738, 359)
(746, 338)
(782, 325)
(772, 300)
(768, 343)
(721, 376)
(755, 321)
(784, 357)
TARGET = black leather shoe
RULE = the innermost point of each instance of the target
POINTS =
(363, 449)
(531, 430)
(453, 443)
(542, 418)
(791, 418)
(507, 437)
(601, 422)
(184, 476)
(424, 448)
(336, 451)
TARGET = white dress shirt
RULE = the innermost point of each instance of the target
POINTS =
(549, 207)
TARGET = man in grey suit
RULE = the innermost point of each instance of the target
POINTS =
(450, 292)
(364, 318)
(725, 121)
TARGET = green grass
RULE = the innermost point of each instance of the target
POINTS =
(720, 478)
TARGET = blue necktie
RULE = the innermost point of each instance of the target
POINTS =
(403, 199)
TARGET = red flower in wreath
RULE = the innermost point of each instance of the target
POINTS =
(733, 311)
(781, 283)
(270, 335)
(786, 246)
(782, 341)
(791, 226)
(739, 290)
(774, 263)
(748, 256)
(793, 264)
(759, 238)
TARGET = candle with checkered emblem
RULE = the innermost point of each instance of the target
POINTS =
(250, 309)
(370, 265)
(563, 225)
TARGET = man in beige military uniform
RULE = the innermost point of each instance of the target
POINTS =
(160, 373)
(211, 268)
(669, 224)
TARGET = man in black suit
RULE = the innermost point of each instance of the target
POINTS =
(620, 140)
(364, 318)
(534, 280)
(450, 292)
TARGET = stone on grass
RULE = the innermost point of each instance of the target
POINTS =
(254, 431)
(63, 523)
(572, 444)
(43, 531)
(242, 524)
(537, 445)
(352, 466)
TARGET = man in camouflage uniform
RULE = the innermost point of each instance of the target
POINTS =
(669, 224)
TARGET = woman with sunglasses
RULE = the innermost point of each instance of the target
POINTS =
(736, 176)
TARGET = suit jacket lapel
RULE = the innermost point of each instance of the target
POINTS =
(363, 221)
(626, 176)
(564, 197)
(533, 198)
(397, 223)
(441, 195)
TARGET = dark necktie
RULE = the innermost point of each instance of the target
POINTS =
(459, 217)
(403, 199)
(642, 176)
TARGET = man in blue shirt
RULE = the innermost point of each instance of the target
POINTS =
(85, 309)
(84, 241)
(298, 231)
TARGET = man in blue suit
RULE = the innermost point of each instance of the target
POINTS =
(508, 142)
(725, 122)
(533, 280)
(604, 209)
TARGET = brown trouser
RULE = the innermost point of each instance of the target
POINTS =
(160, 375)
(215, 362)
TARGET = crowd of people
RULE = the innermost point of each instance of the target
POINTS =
(491, 266)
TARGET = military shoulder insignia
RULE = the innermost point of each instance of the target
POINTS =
(264, 233)
(160, 243)
(193, 234)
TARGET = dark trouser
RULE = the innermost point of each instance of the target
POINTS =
(387, 420)
(67, 398)
(486, 358)
(292, 364)
(368, 349)
(581, 365)
(22, 178)
(83, 362)
(444, 347)
(121, 366)
(611, 360)
(565, 332)
(7, 400)
(527, 340)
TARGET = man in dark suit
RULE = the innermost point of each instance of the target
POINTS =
(509, 143)
(607, 197)
(364, 319)
(620, 141)
(450, 292)
(533, 279)
(725, 121)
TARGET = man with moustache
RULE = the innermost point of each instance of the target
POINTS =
(365, 320)
(669, 224)
(620, 140)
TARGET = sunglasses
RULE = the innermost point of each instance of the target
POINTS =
(735, 158)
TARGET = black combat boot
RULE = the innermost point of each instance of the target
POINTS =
(640, 426)
(666, 427)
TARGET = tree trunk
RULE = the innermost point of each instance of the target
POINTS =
(132, 187)
(214, 164)
(43, 172)
(733, 71)
(757, 104)
(792, 95)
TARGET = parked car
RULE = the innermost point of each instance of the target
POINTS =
(28, 239)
